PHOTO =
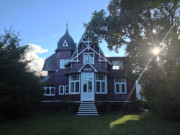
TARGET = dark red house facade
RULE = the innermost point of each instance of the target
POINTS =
(81, 72)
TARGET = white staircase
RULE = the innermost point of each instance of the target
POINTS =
(87, 108)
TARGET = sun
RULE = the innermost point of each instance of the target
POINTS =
(156, 51)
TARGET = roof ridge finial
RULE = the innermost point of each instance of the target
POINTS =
(66, 26)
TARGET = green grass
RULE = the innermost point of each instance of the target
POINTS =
(56, 123)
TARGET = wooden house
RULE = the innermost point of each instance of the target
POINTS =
(81, 73)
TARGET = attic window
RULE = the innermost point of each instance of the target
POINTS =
(63, 62)
(88, 58)
(65, 43)
(117, 65)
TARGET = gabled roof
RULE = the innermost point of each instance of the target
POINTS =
(102, 71)
(89, 65)
(50, 63)
(66, 38)
(85, 39)
(97, 70)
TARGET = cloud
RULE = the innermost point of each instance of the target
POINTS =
(107, 55)
(36, 49)
(36, 63)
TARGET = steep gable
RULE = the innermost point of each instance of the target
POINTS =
(86, 45)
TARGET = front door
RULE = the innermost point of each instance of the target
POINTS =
(87, 86)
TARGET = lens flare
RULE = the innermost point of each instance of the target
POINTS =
(156, 51)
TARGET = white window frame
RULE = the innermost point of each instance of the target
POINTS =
(74, 82)
(50, 88)
(63, 62)
(61, 86)
(88, 58)
(65, 90)
(117, 67)
(120, 82)
(105, 81)
(65, 42)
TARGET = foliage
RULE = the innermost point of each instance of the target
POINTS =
(69, 106)
(135, 4)
(101, 107)
(139, 105)
(141, 29)
(20, 90)
(165, 99)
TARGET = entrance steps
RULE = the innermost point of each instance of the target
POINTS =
(87, 108)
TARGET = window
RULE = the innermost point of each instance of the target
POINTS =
(61, 90)
(66, 90)
(63, 62)
(88, 58)
(117, 64)
(74, 84)
(49, 91)
(101, 81)
(120, 86)
(65, 43)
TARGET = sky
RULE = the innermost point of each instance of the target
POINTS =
(41, 23)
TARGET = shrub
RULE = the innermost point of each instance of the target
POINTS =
(20, 90)
(139, 105)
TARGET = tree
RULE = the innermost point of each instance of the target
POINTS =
(20, 90)
(135, 4)
(142, 29)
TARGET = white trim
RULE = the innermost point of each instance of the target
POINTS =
(50, 88)
(55, 101)
(102, 60)
(61, 86)
(77, 46)
(105, 81)
(65, 92)
(65, 43)
(100, 56)
(87, 47)
(103, 54)
(74, 83)
(63, 62)
(75, 61)
(78, 54)
(120, 83)
(87, 96)
(103, 57)
(49, 101)
(88, 53)
(85, 65)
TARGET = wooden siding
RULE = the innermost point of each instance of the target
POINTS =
(62, 79)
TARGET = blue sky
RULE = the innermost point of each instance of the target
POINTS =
(43, 22)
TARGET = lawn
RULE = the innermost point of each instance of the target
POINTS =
(56, 123)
